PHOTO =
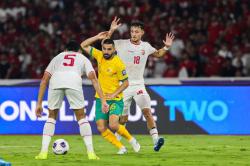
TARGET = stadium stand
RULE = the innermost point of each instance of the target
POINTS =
(212, 37)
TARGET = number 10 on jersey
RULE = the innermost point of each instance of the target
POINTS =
(137, 59)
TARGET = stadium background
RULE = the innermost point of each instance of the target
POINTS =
(201, 86)
(212, 41)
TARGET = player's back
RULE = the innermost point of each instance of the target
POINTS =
(66, 70)
(135, 58)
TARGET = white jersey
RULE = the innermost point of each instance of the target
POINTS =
(135, 58)
(67, 69)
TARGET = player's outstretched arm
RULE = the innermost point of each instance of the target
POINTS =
(114, 26)
(85, 45)
(167, 44)
(43, 85)
(93, 78)
(120, 89)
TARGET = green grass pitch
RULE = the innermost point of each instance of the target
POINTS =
(183, 150)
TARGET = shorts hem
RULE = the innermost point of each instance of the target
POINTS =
(53, 108)
(145, 107)
(77, 108)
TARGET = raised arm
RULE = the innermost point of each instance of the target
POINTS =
(167, 44)
(85, 45)
(43, 85)
(114, 26)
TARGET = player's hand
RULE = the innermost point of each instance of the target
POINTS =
(102, 35)
(39, 110)
(105, 107)
(110, 96)
(169, 39)
(115, 24)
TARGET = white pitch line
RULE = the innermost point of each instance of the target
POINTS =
(17, 146)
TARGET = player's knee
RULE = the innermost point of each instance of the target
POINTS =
(53, 114)
(123, 120)
(114, 126)
(101, 129)
(79, 113)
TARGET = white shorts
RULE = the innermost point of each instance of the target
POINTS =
(139, 94)
(56, 96)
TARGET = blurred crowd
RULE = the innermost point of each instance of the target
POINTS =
(212, 36)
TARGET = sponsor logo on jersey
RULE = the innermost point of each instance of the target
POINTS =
(139, 92)
(124, 72)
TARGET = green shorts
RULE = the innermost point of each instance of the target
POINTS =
(115, 108)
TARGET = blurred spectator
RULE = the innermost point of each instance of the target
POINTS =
(212, 37)
(171, 71)
(4, 65)
(188, 64)
(239, 62)
(228, 70)
(25, 60)
(150, 67)
(177, 47)
(224, 52)
(213, 66)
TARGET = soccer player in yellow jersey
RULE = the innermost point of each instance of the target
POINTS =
(113, 80)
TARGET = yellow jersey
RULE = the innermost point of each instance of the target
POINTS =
(110, 72)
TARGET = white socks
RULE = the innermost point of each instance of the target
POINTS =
(154, 134)
(48, 132)
(118, 136)
(86, 133)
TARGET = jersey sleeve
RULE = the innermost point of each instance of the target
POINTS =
(97, 54)
(121, 71)
(88, 66)
(150, 49)
(51, 67)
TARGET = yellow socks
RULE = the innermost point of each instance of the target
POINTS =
(108, 135)
(124, 132)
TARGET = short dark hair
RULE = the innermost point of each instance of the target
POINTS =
(137, 24)
(108, 41)
(72, 45)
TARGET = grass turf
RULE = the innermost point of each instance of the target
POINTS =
(179, 150)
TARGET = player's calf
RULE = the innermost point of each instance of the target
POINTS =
(122, 120)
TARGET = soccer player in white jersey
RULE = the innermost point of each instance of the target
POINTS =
(134, 52)
(64, 75)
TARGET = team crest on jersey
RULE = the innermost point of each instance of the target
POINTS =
(142, 52)
(124, 72)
